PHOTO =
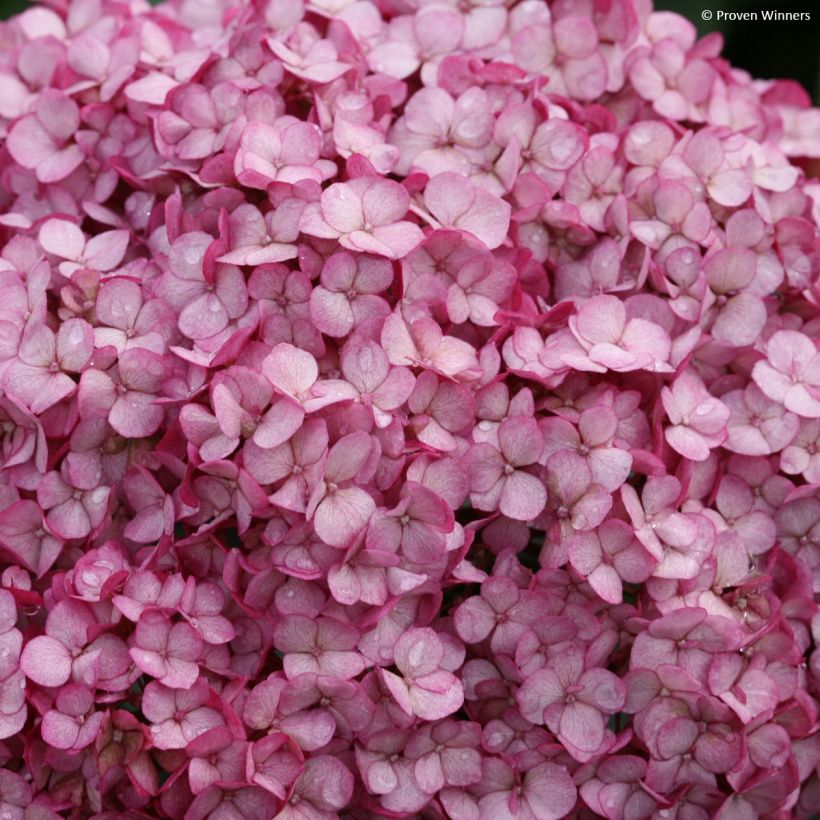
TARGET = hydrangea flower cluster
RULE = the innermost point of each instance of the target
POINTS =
(408, 408)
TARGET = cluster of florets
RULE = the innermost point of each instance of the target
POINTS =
(407, 409)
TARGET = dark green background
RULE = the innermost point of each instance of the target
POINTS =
(777, 49)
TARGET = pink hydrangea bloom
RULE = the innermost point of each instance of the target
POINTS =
(365, 215)
(609, 557)
(42, 140)
(789, 374)
(73, 724)
(499, 478)
(698, 419)
(65, 240)
(407, 409)
(573, 702)
(286, 151)
(348, 294)
(167, 652)
(609, 340)
(205, 294)
(39, 376)
(426, 688)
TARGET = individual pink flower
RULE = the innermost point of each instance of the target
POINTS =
(264, 709)
(757, 425)
(593, 440)
(616, 790)
(801, 456)
(608, 556)
(592, 185)
(609, 340)
(423, 344)
(324, 788)
(13, 709)
(144, 590)
(215, 757)
(15, 793)
(258, 238)
(65, 240)
(574, 498)
(689, 740)
(745, 688)
(446, 754)
(274, 762)
(438, 133)
(427, 36)
(199, 121)
(125, 319)
(42, 140)
(425, 688)
(654, 516)
(74, 507)
(573, 702)
(283, 301)
(153, 507)
(94, 575)
(123, 741)
(286, 151)
(346, 700)
(39, 376)
(499, 480)
(73, 724)
(313, 60)
(567, 52)
(687, 637)
(295, 374)
(244, 408)
(348, 293)
(126, 397)
(599, 270)
(201, 604)
(365, 215)
(502, 612)
(739, 313)
(456, 203)
(296, 463)
(798, 532)
(244, 803)
(205, 294)
(382, 388)
(442, 411)
(325, 646)
(23, 536)
(177, 716)
(677, 219)
(370, 576)
(338, 507)
(698, 419)
(494, 404)
(417, 527)
(705, 155)
(544, 791)
(675, 86)
(790, 374)
(63, 652)
(388, 773)
(546, 637)
(548, 149)
(482, 285)
(168, 652)
(735, 503)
